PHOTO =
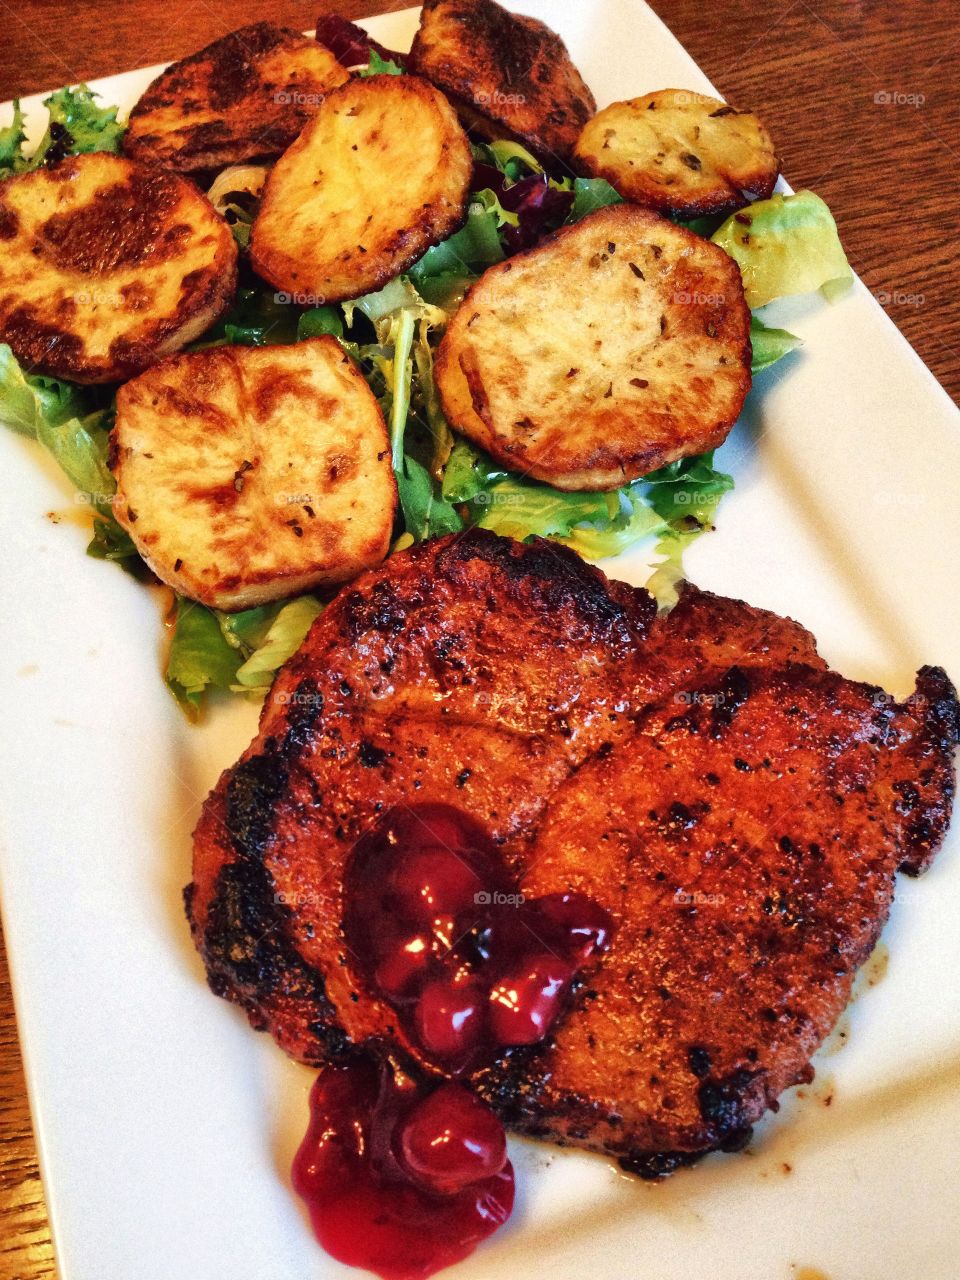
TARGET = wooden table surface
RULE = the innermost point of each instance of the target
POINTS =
(861, 98)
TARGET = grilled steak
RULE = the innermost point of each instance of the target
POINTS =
(739, 809)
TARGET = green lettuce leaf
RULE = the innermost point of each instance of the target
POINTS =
(590, 194)
(594, 524)
(111, 541)
(517, 508)
(663, 583)
(398, 381)
(704, 227)
(399, 368)
(490, 202)
(399, 295)
(402, 364)
(282, 638)
(80, 447)
(425, 403)
(12, 138)
(233, 652)
(200, 657)
(635, 521)
(686, 494)
(469, 473)
(56, 414)
(241, 224)
(380, 66)
(247, 629)
(318, 321)
(769, 345)
(687, 490)
(511, 158)
(426, 513)
(786, 245)
(76, 126)
(259, 317)
(29, 400)
(446, 270)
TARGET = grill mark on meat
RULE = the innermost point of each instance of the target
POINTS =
(248, 935)
(723, 1103)
(561, 578)
(731, 695)
(651, 1166)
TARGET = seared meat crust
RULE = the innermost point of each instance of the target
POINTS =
(659, 763)
(745, 839)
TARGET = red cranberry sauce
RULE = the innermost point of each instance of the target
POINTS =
(397, 1181)
(471, 967)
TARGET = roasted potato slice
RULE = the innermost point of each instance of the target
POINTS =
(612, 348)
(506, 70)
(680, 152)
(106, 266)
(379, 174)
(246, 96)
(249, 474)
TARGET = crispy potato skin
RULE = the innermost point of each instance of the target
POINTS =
(328, 227)
(246, 475)
(107, 266)
(610, 349)
(680, 152)
(246, 96)
(506, 70)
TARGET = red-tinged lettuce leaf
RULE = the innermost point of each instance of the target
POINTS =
(539, 206)
(350, 44)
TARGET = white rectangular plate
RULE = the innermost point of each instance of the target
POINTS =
(166, 1126)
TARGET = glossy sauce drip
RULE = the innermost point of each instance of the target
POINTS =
(396, 1180)
(399, 1179)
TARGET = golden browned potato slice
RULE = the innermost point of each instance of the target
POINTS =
(616, 346)
(680, 152)
(244, 97)
(501, 68)
(249, 474)
(106, 266)
(380, 174)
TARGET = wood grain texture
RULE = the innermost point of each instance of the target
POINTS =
(25, 1249)
(860, 97)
